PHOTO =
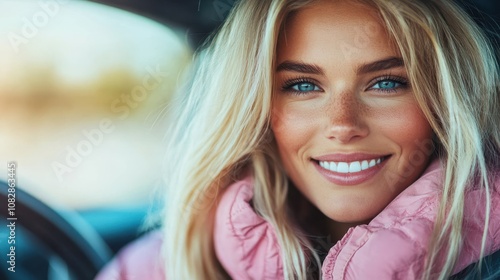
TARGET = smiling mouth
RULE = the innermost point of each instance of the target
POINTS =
(351, 167)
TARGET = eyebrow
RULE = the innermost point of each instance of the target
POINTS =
(299, 67)
(384, 64)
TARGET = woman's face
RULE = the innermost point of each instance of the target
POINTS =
(348, 128)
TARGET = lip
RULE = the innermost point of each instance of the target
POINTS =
(350, 179)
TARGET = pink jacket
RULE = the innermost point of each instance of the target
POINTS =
(391, 246)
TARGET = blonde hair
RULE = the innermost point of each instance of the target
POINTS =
(454, 75)
(222, 127)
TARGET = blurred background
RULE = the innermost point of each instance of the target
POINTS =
(84, 86)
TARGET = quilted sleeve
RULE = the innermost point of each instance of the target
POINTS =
(367, 253)
(245, 243)
(137, 261)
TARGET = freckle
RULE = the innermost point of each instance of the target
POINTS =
(360, 108)
(349, 103)
(365, 109)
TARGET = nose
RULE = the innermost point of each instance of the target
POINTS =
(346, 118)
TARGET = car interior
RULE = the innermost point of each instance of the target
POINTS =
(84, 93)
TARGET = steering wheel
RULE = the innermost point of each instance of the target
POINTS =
(64, 234)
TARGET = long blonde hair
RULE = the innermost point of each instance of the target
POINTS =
(222, 126)
(455, 79)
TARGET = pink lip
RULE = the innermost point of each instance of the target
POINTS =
(348, 157)
(350, 179)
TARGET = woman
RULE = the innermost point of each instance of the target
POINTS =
(370, 123)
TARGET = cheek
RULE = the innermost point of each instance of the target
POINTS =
(418, 131)
(403, 124)
(417, 145)
(292, 127)
(409, 131)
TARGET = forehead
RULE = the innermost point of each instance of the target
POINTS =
(343, 29)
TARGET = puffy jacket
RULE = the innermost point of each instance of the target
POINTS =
(392, 246)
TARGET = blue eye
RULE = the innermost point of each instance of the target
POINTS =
(389, 84)
(301, 86)
(305, 86)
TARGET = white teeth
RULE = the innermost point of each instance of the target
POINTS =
(333, 166)
(349, 167)
(343, 167)
(364, 165)
(354, 167)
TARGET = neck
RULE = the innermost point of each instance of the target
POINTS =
(314, 222)
(337, 230)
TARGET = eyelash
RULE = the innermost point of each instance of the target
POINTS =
(403, 84)
(287, 86)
